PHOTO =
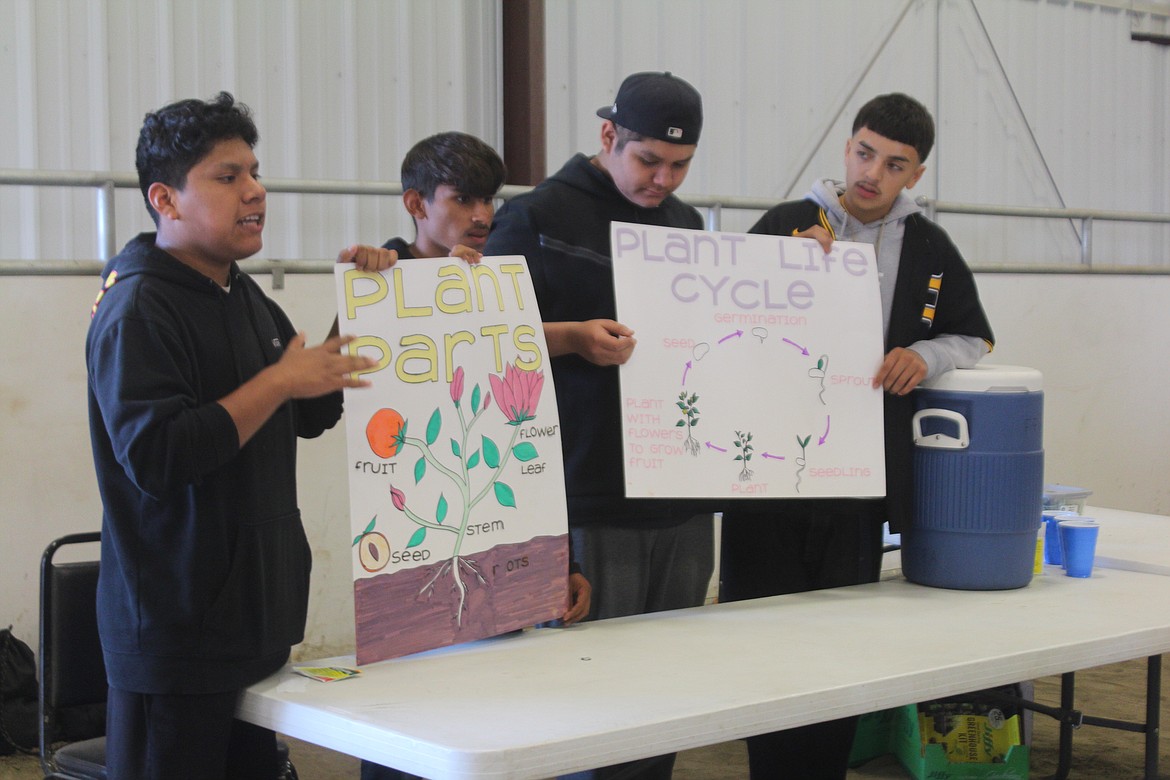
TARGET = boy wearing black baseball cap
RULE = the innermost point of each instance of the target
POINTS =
(642, 555)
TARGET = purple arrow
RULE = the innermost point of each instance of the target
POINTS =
(771, 456)
(711, 446)
(735, 335)
(803, 350)
(821, 440)
(685, 372)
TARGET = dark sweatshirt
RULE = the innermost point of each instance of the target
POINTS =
(205, 565)
(562, 229)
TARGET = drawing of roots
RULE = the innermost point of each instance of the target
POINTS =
(457, 567)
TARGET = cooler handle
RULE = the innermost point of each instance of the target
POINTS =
(940, 440)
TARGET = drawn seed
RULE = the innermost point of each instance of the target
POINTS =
(374, 552)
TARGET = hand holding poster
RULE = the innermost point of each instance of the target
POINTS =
(752, 375)
(457, 499)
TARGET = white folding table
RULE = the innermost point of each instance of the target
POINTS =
(544, 702)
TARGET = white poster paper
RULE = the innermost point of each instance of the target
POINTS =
(457, 498)
(752, 375)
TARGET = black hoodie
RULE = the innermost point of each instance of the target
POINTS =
(562, 229)
(205, 565)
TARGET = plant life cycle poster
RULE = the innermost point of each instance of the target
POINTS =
(457, 497)
(752, 373)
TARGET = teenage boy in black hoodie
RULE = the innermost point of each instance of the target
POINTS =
(198, 389)
(640, 555)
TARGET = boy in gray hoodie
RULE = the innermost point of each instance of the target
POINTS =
(932, 321)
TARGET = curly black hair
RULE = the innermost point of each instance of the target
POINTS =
(177, 136)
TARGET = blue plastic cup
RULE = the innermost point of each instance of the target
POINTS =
(1078, 542)
(1052, 518)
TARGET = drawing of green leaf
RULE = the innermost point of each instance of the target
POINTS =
(473, 461)
(420, 468)
(433, 427)
(441, 509)
(455, 448)
(694, 421)
(475, 399)
(370, 527)
(680, 423)
(417, 538)
(357, 539)
(739, 457)
(491, 453)
(504, 494)
(525, 451)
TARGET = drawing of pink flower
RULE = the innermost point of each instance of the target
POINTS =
(457, 385)
(399, 498)
(518, 393)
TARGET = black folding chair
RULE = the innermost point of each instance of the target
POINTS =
(73, 686)
(72, 672)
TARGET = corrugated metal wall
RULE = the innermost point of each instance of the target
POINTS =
(340, 90)
(1039, 102)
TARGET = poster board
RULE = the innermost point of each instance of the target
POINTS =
(752, 374)
(457, 499)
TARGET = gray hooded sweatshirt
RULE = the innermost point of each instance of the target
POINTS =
(944, 351)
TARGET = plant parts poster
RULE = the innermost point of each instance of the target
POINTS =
(752, 374)
(457, 501)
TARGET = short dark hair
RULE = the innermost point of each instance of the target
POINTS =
(624, 135)
(456, 159)
(176, 137)
(900, 118)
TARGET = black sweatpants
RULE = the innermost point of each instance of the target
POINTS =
(811, 544)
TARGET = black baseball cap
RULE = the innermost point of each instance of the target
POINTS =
(657, 105)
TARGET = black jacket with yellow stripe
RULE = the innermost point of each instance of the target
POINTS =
(935, 294)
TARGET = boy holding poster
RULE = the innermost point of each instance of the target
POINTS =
(449, 182)
(199, 387)
(640, 555)
(933, 322)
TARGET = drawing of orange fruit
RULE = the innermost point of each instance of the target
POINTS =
(383, 432)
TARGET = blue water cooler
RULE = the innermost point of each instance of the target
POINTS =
(978, 479)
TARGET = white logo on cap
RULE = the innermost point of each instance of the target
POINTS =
(674, 132)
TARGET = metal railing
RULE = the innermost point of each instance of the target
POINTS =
(104, 184)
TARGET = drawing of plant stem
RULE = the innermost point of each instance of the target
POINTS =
(690, 414)
(819, 373)
(517, 395)
(800, 461)
(744, 445)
